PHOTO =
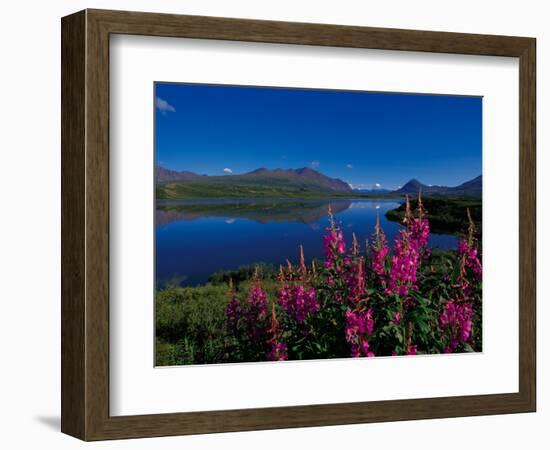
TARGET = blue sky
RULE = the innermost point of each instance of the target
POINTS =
(363, 138)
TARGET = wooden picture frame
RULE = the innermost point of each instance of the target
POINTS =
(85, 224)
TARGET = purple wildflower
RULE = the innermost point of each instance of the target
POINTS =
(278, 349)
(404, 265)
(379, 249)
(334, 245)
(359, 325)
(357, 288)
(471, 259)
(456, 320)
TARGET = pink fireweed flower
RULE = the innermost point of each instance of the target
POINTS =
(256, 309)
(420, 231)
(379, 249)
(379, 260)
(299, 302)
(469, 253)
(404, 265)
(278, 349)
(359, 325)
(334, 244)
(412, 350)
(396, 318)
(357, 289)
(419, 227)
(258, 300)
(456, 321)
(408, 211)
(278, 352)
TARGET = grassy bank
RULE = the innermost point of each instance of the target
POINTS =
(190, 321)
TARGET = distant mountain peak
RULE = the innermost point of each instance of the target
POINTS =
(162, 174)
(258, 170)
(470, 187)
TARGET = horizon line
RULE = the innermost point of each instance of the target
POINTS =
(378, 186)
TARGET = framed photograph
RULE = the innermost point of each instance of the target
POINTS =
(273, 225)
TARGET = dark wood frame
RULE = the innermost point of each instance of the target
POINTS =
(85, 224)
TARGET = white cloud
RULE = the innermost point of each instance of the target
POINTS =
(349, 166)
(163, 106)
(378, 185)
(315, 164)
(227, 170)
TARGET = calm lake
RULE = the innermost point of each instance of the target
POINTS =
(197, 238)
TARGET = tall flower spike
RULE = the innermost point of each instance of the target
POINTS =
(281, 274)
(379, 248)
(258, 297)
(289, 265)
(471, 228)
(380, 237)
(303, 268)
(356, 283)
(274, 328)
(278, 351)
(330, 216)
(420, 208)
(408, 213)
(355, 245)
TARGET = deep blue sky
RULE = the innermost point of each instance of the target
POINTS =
(363, 138)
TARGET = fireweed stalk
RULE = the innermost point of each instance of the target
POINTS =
(257, 307)
(456, 318)
(295, 295)
(467, 250)
(278, 349)
(334, 248)
(380, 249)
(407, 251)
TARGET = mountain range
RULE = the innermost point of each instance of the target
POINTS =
(304, 182)
(281, 183)
(471, 188)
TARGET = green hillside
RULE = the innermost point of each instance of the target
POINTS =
(262, 183)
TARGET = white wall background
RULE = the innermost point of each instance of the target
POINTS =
(30, 221)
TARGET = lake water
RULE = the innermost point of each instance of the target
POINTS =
(197, 238)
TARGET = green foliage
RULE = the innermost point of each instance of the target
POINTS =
(190, 325)
(191, 321)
